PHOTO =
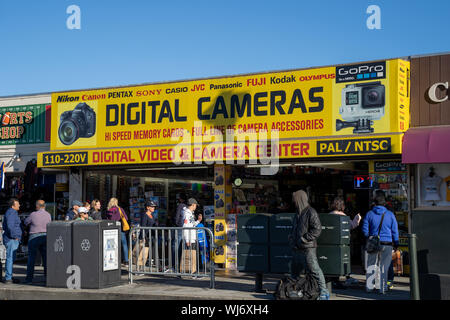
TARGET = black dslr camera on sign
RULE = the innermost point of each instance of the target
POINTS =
(78, 123)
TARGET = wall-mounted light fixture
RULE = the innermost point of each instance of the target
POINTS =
(15, 157)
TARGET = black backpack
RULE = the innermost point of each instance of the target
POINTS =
(305, 287)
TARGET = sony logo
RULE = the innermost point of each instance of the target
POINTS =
(432, 92)
(360, 69)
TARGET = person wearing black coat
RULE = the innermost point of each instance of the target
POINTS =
(147, 220)
(303, 240)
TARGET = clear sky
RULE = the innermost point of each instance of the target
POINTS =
(131, 42)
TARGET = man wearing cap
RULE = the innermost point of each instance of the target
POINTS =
(190, 235)
(189, 262)
(147, 220)
(70, 215)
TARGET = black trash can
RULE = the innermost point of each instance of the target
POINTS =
(253, 228)
(335, 229)
(59, 253)
(97, 252)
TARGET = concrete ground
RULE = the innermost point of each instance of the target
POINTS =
(228, 286)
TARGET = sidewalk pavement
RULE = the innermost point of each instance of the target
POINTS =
(228, 286)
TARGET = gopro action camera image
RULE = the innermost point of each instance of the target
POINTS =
(361, 104)
(78, 123)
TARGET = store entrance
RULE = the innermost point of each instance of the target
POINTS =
(133, 187)
(323, 181)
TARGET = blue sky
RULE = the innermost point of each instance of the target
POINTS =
(131, 42)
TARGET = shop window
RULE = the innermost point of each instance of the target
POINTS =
(433, 185)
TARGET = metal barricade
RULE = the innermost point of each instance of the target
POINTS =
(172, 251)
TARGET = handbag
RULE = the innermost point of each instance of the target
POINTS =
(373, 243)
(125, 225)
(188, 262)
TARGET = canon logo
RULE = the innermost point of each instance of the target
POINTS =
(432, 95)
(361, 69)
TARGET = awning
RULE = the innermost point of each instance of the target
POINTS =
(426, 145)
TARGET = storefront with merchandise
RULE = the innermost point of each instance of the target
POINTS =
(425, 149)
(25, 131)
(239, 144)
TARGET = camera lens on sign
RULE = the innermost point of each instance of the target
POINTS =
(372, 95)
(68, 132)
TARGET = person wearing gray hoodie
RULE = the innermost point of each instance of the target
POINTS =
(303, 240)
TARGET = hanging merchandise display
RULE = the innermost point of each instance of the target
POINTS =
(431, 183)
(390, 177)
(433, 187)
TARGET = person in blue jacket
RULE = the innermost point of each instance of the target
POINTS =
(11, 237)
(388, 241)
(202, 242)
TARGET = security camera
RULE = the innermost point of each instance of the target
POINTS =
(361, 104)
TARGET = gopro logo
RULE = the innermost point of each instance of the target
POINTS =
(361, 72)
(361, 69)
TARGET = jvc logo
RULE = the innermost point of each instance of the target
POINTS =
(361, 69)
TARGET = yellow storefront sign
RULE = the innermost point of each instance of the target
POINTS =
(295, 109)
(222, 153)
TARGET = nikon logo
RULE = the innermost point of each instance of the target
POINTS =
(67, 98)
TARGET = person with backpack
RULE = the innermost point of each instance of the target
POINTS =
(380, 222)
(303, 241)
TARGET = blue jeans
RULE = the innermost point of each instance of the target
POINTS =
(390, 276)
(306, 260)
(11, 250)
(124, 247)
(37, 241)
(380, 261)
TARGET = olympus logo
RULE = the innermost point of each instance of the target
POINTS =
(361, 69)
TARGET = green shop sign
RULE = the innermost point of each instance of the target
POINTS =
(23, 124)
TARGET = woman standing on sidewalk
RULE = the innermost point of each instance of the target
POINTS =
(116, 213)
